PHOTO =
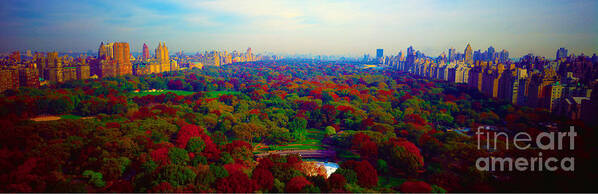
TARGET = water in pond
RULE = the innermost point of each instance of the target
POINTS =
(329, 166)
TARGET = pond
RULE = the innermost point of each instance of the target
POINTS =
(329, 166)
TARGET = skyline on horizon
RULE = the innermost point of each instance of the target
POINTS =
(312, 27)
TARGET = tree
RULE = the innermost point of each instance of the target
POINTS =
(176, 175)
(382, 166)
(279, 186)
(178, 156)
(187, 132)
(298, 123)
(248, 131)
(368, 149)
(415, 187)
(196, 145)
(163, 187)
(313, 169)
(218, 171)
(237, 182)
(349, 174)
(337, 181)
(368, 177)
(160, 156)
(404, 155)
(176, 84)
(296, 184)
(264, 178)
(95, 178)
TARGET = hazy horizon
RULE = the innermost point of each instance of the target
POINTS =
(349, 28)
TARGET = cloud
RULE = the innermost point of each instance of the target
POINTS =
(324, 27)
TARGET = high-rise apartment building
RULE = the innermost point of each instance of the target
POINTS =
(379, 53)
(561, 53)
(113, 60)
(468, 55)
(146, 55)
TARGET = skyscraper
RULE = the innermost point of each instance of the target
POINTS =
(468, 54)
(249, 55)
(410, 58)
(162, 57)
(379, 53)
(114, 60)
(146, 54)
(491, 52)
(451, 54)
(561, 53)
(504, 56)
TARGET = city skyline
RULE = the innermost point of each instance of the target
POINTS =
(313, 27)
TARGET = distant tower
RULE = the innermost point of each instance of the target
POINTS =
(115, 59)
(249, 55)
(379, 53)
(146, 54)
(491, 52)
(162, 57)
(101, 51)
(451, 54)
(468, 54)
(504, 56)
(561, 53)
(162, 53)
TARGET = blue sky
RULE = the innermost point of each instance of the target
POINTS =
(351, 28)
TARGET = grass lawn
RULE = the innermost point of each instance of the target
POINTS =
(177, 92)
(313, 141)
(216, 94)
(70, 117)
(295, 147)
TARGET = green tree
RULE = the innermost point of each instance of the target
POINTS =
(178, 156)
(176, 175)
(218, 171)
(95, 178)
(196, 145)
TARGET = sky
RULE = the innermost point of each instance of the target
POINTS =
(349, 28)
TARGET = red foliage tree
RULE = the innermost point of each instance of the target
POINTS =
(160, 156)
(342, 108)
(415, 187)
(337, 181)
(405, 153)
(237, 144)
(234, 167)
(211, 151)
(176, 84)
(163, 187)
(265, 163)
(187, 132)
(359, 138)
(296, 184)
(264, 178)
(415, 119)
(368, 177)
(368, 150)
(294, 162)
(237, 182)
(113, 125)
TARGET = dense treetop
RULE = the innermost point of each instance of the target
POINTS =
(389, 131)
